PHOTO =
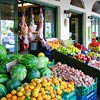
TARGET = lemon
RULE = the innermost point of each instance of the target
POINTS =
(41, 54)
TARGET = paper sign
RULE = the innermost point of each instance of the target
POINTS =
(10, 65)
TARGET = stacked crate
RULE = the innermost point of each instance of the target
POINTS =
(87, 93)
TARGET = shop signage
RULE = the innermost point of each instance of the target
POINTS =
(11, 64)
(57, 0)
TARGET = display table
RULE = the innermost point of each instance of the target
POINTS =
(89, 70)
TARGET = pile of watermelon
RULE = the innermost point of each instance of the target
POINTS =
(26, 68)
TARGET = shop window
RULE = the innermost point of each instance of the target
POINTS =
(95, 26)
(50, 23)
(7, 27)
(78, 3)
(96, 7)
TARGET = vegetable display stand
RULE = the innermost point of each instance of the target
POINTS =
(70, 96)
(90, 96)
(83, 91)
(65, 59)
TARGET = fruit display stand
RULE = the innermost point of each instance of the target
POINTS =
(94, 46)
(65, 59)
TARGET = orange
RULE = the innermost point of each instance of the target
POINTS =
(52, 96)
(19, 93)
(39, 98)
(26, 87)
(58, 97)
(59, 92)
(13, 92)
(14, 97)
(8, 96)
(32, 98)
(23, 97)
(48, 97)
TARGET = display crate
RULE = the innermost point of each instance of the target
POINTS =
(51, 63)
(68, 96)
(83, 91)
(90, 96)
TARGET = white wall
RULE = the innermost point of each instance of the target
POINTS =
(63, 30)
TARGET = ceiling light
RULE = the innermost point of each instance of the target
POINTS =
(25, 4)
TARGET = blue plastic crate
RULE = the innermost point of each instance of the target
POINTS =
(90, 96)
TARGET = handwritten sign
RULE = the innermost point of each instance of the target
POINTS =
(10, 65)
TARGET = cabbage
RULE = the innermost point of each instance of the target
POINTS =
(29, 60)
(42, 62)
(18, 72)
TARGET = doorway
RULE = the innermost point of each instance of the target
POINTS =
(76, 27)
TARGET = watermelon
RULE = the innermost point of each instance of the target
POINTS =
(32, 73)
(15, 56)
(45, 72)
(29, 60)
(3, 68)
(19, 72)
(3, 78)
(3, 52)
(3, 90)
(12, 84)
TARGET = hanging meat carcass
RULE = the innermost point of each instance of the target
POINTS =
(32, 29)
(23, 33)
(40, 30)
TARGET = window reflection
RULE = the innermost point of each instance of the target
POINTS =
(49, 24)
(7, 27)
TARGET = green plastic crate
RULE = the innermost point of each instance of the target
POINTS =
(83, 91)
(68, 96)
(51, 63)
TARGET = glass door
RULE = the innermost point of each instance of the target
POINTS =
(50, 22)
(7, 37)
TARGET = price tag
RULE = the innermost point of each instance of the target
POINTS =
(10, 65)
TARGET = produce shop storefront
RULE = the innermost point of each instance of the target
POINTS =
(11, 15)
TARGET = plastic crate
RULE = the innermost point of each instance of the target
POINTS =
(68, 96)
(51, 63)
(90, 96)
(83, 91)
